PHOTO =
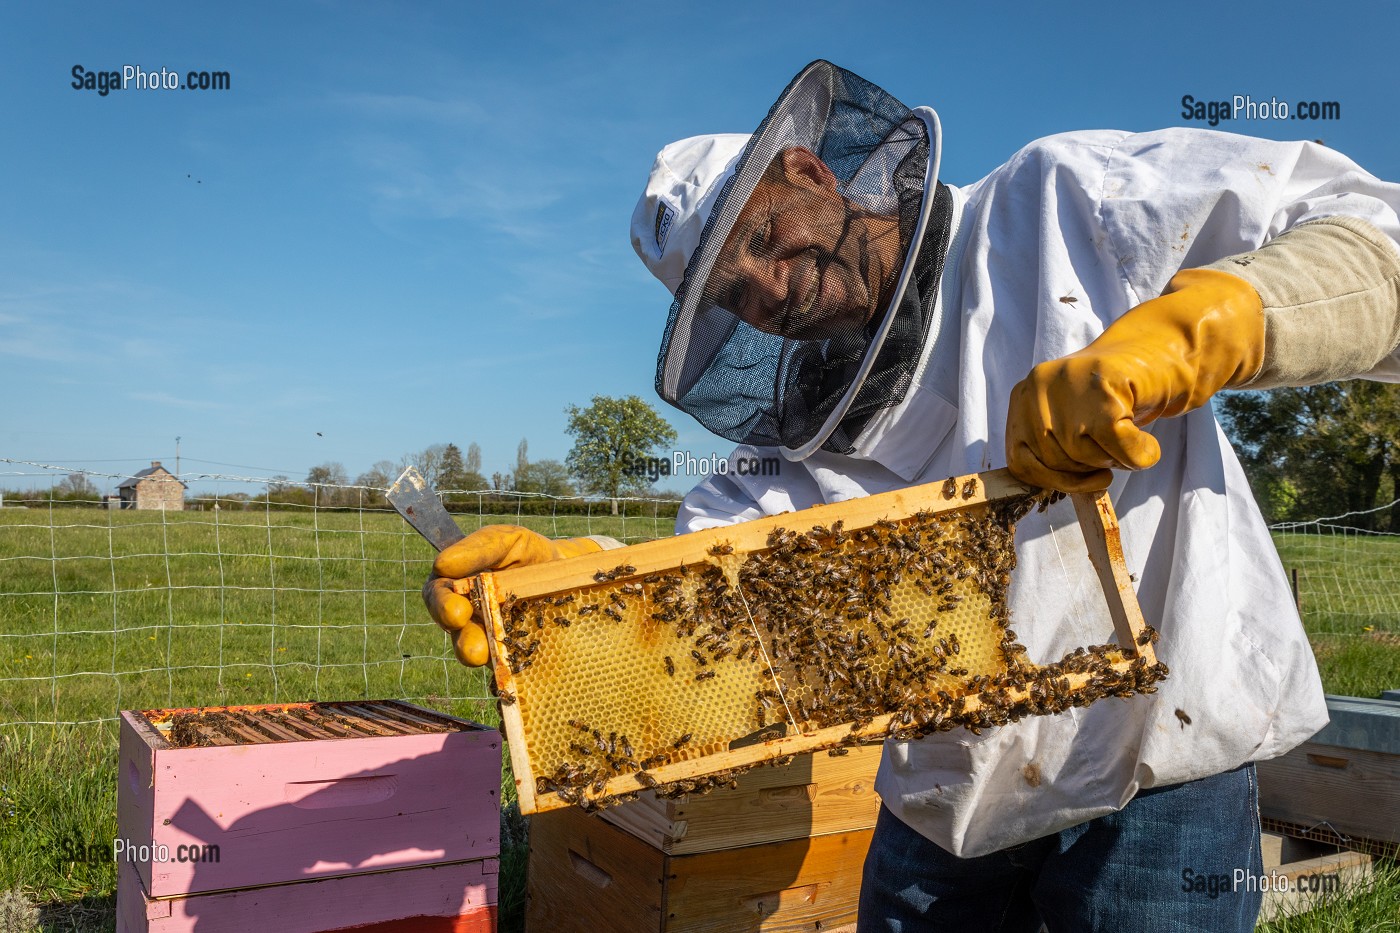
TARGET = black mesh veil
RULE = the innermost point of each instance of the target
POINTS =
(793, 325)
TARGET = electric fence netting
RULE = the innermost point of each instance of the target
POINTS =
(261, 591)
(251, 591)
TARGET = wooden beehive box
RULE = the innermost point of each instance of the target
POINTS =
(1298, 874)
(587, 875)
(457, 897)
(685, 661)
(1343, 784)
(813, 795)
(290, 792)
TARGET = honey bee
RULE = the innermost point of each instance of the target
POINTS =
(587, 610)
(645, 779)
(580, 750)
(682, 741)
(704, 675)
(950, 488)
(612, 613)
(1185, 719)
(507, 698)
(580, 725)
(721, 549)
(969, 488)
(670, 666)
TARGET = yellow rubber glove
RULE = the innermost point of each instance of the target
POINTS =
(1073, 420)
(495, 547)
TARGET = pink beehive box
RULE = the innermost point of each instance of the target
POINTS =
(233, 798)
(455, 898)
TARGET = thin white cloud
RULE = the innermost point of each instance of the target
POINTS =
(177, 401)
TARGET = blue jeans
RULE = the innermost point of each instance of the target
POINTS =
(1162, 864)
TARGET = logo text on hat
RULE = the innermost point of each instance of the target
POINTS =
(665, 214)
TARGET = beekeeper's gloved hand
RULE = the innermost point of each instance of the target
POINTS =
(495, 547)
(1073, 419)
(1317, 303)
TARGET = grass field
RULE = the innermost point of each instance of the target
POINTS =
(101, 611)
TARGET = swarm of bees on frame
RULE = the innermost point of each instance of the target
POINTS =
(817, 616)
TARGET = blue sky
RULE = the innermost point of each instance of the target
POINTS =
(407, 224)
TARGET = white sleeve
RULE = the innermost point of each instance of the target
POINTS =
(718, 501)
(750, 483)
(1331, 295)
(1185, 198)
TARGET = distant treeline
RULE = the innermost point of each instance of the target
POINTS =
(349, 499)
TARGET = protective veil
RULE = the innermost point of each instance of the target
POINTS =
(853, 246)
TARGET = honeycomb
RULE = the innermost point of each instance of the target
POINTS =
(902, 621)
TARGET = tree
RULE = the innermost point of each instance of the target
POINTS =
(326, 474)
(452, 472)
(377, 479)
(474, 459)
(1321, 450)
(610, 435)
(327, 483)
(549, 477)
(76, 486)
(429, 462)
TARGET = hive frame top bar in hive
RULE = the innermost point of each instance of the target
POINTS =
(529, 709)
(272, 723)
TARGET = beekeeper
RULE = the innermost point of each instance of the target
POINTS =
(1070, 315)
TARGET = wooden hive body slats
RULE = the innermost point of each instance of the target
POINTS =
(586, 875)
(814, 795)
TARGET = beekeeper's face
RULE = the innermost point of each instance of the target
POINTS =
(802, 261)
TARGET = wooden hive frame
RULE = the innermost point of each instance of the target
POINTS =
(1132, 667)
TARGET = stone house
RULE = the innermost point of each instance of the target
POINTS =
(153, 488)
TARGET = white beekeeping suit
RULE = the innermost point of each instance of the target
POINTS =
(1041, 256)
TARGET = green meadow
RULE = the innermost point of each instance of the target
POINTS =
(102, 611)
